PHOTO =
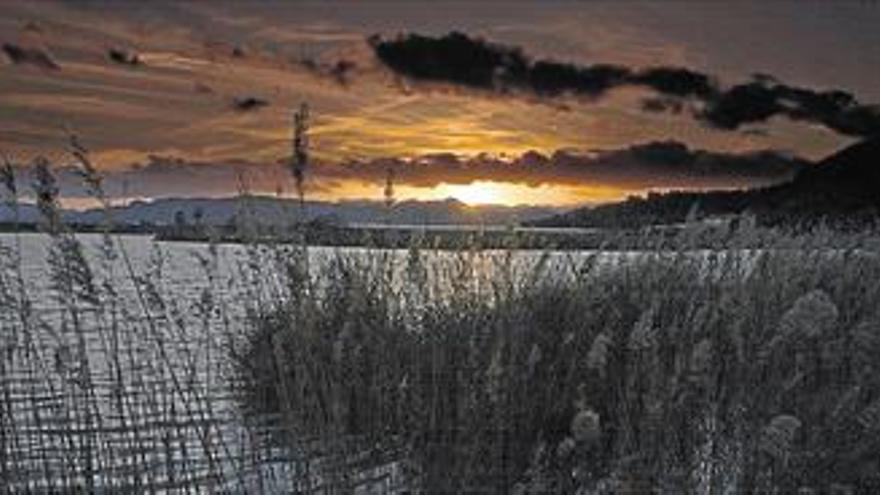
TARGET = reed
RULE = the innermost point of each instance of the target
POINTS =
(676, 369)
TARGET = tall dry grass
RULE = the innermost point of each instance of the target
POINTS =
(97, 395)
(677, 369)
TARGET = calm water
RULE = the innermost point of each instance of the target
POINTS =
(149, 402)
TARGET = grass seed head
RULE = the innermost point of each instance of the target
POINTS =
(811, 316)
(586, 427)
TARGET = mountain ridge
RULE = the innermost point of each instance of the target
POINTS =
(268, 210)
(842, 189)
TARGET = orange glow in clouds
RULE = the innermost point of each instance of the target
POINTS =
(481, 193)
(511, 194)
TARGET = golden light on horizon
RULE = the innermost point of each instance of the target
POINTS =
(514, 194)
(478, 193)
(482, 193)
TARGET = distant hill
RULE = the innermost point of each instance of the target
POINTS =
(267, 210)
(842, 189)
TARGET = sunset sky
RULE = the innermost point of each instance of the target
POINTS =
(195, 99)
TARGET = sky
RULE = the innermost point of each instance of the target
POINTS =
(489, 102)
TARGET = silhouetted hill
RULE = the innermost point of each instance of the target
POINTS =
(843, 190)
(844, 187)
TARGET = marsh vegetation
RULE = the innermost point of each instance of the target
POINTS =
(679, 370)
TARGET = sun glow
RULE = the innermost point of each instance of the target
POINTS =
(477, 193)
(510, 193)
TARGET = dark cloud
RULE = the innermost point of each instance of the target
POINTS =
(553, 78)
(124, 57)
(475, 63)
(29, 56)
(745, 103)
(454, 58)
(762, 99)
(666, 164)
(675, 81)
(668, 104)
(340, 70)
(459, 59)
(248, 103)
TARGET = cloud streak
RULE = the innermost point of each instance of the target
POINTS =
(124, 57)
(37, 57)
(474, 63)
(248, 103)
(659, 164)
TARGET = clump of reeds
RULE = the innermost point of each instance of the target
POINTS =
(97, 396)
(679, 369)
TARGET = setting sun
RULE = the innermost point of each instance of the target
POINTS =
(511, 193)
(481, 193)
(478, 193)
